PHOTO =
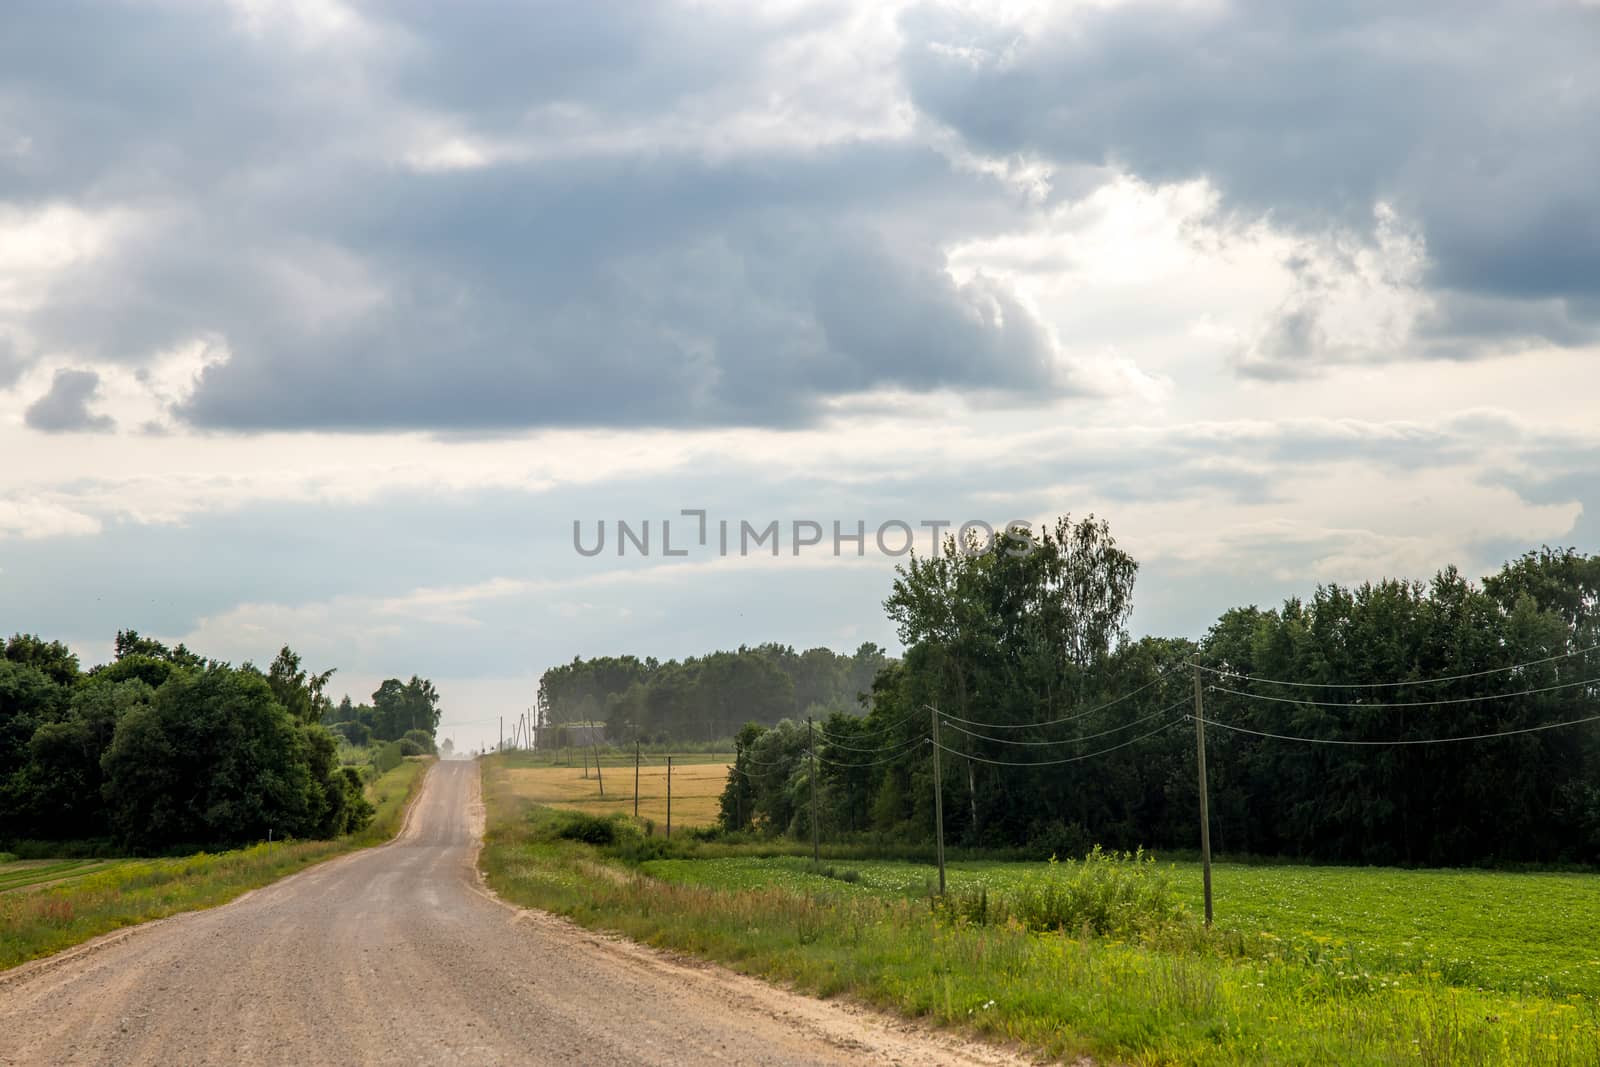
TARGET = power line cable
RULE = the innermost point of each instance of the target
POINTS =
(1057, 762)
(1070, 740)
(872, 763)
(1067, 718)
(830, 743)
(467, 722)
(1398, 741)
(1391, 685)
(747, 758)
(1404, 703)
(863, 734)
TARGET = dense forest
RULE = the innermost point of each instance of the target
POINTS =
(708, 697)
(1059, 731)
(162, 748)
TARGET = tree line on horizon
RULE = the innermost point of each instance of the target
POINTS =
(1063, 731)
(705, 698)
(162, 748)
(1013, 638)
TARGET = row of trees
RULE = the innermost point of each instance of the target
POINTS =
(399, 711)
(706, 697)
(1030, 630)
(162, 748)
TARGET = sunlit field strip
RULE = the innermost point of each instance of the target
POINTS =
(696, 788)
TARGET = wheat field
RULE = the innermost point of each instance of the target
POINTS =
(695, 789)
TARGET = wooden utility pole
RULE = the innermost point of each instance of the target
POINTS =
(596, 746)
(1205, 812)
(938, 794)
(502, 734)
(811, 744)
(636, 776)
(669, 798)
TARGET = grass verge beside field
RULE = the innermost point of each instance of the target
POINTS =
(1172, 994)
(41, 921)
(1511, 932)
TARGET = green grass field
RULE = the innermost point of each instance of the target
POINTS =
(46, 906)
(1525, 933)
(1306, 966)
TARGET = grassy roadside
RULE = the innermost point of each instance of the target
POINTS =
(1174, 995)
(37, 872)
(1528, 934)
(43, 921)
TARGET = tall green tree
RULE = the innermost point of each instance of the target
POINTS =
(213, 759)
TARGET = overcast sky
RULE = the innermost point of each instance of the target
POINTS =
(322, 322)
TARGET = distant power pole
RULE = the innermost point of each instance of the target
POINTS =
(739, 787)
(1200, 766)
(938, 795)
(812, 745)
(502, 734)
(636, 776)
(669, 798)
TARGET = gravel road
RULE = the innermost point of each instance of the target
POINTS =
(398, 955)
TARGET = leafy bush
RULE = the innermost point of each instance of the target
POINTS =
(1112, 894)
(388, 757)
(422, 739)
(635, 850)
(828, 870)
(358, 809)
(590, 829)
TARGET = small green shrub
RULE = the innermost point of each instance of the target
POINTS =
(1111, 894)
(422, 740)
(638, 849)
(388, 757)
(590, 829)
(828, 870)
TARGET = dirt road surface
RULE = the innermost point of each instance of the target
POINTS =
(398, 955)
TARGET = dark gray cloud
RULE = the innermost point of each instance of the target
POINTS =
(1479, 123)
(657, 286)
(611, 268)
(590, 294)
(65, 408)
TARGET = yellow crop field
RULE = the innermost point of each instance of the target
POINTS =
(695, 789)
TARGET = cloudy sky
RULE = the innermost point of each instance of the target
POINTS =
(322, 321)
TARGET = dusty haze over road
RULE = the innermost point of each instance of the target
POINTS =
(396, 955)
